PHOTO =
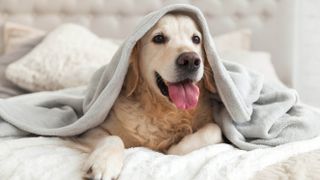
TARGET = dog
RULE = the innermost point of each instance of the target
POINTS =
(164, 103)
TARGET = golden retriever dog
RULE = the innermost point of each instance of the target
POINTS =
(164, 104)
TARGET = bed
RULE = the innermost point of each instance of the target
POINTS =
(244, 29)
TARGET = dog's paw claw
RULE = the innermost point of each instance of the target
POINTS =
(89, 171)
(105, 162)
(100, 170)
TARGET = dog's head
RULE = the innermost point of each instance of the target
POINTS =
(171, 59)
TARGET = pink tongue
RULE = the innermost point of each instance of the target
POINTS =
(184, 95)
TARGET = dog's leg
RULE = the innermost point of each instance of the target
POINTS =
(106, 159)
(207, 135)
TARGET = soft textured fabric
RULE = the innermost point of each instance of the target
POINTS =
(15, 35)
(63, 60)
(257, 61)
(52, 159)
(252, 113)
(304, 166)
(14, 51)
(239, 40)
(66, 58)
(7, 88)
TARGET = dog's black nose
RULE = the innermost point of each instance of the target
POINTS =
(188, 61)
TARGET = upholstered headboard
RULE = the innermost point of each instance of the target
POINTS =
(272, 21)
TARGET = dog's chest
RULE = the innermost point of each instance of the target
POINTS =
(157, 129)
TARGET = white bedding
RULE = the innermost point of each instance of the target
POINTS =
(49, 158)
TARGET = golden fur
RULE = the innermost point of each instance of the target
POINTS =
(142, 116)
(145, 119)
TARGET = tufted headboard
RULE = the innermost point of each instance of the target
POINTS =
(272, 21)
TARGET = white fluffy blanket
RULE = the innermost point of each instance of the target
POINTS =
(49, 158)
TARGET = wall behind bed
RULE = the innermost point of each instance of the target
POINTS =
(306, 72)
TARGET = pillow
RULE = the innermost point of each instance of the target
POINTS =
(7, 88)
(234, 41)
(16, 34)
(72, 62)
(67, 57)
(253, 60)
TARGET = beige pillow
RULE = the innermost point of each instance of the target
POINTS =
(234, 41)
(67, 57)
(16, 34)
(7, 88)
(256, 61)
(59, 63)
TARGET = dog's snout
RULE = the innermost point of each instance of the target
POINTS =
(188, 61)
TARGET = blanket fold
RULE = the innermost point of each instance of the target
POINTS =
(252, 112)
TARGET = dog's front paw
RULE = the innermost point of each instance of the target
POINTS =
(105, 163)
(207, 135)
(103, 166)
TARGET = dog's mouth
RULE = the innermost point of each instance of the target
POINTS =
(184, 94)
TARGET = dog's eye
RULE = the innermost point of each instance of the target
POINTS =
(159, 39)
(196, 39)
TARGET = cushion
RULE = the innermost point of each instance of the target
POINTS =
(16, 34)
(59, 62)
(253, 60)
(234, 41)
(7, 88)
(67, 57)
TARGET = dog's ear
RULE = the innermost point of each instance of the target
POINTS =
(133, 74)
(208, 80)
